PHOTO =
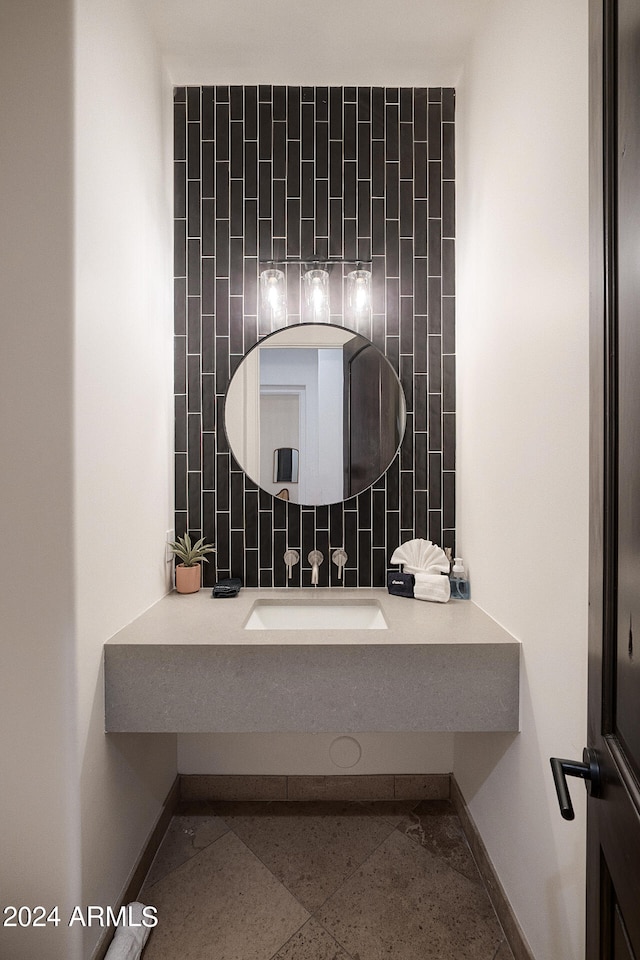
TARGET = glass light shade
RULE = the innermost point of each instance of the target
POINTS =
(359, 293)
(273, 294)
(316, 295)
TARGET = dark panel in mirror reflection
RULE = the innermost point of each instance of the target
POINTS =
(325, 394)
(375, 418)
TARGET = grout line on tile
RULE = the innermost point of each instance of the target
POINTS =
(355, 869)
(177, 867)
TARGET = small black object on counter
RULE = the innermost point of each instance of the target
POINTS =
(227, 588)
(401, 584)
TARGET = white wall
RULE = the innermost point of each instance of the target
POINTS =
(39, 819)
(523, 436)
(299, 754)
(286, 42)
(85, 378)
(330, 416)
(123, 413)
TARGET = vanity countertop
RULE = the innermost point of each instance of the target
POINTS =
(199, 619)
(187, 665)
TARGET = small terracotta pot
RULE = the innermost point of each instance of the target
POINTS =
(187, 578)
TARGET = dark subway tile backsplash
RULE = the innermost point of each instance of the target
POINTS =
(271, 172)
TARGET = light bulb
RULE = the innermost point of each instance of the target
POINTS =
(272, 288)
(359, 292)
(316, 285)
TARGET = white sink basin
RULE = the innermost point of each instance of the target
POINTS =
(316, 615)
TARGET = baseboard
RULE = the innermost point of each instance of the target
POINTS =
(418, 786)
(143, 863)
(504, 911)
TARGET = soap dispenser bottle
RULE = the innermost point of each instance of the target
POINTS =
(460, 589)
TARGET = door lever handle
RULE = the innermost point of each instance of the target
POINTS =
(588, 770)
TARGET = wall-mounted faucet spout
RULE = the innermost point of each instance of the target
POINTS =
(315, 558)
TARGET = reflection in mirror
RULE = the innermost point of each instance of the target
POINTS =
(318, 402)
(285, 465)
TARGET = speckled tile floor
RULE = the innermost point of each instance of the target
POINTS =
(319, 881)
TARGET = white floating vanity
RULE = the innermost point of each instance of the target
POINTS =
(192, 664)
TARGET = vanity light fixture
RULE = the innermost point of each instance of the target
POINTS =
(314, 275)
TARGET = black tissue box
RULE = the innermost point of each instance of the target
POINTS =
(401, 584)
(227, 588)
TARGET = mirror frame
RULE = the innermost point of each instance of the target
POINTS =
(297, 326)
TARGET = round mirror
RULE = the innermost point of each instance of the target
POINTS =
(314, 414)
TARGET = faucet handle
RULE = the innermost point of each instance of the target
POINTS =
(340, 558)
(290, 558)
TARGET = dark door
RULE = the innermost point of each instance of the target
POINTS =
(613, 819)
(371, 436)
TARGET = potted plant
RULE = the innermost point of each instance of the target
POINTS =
(188, 572)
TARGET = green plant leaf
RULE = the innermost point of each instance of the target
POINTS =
(190, 554)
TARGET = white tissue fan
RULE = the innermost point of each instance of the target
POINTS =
(421, 556)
